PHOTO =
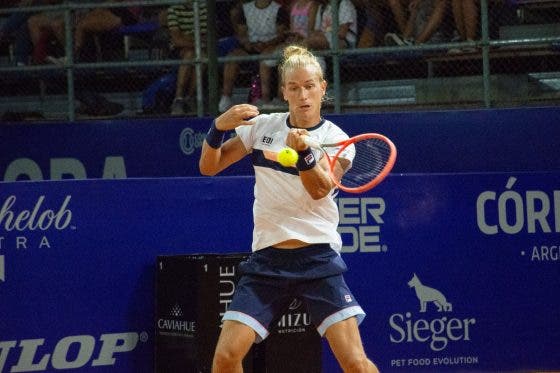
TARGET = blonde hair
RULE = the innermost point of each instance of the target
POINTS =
(296, 56)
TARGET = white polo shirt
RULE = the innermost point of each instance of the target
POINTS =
(283, 209)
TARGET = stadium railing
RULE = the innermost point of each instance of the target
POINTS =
(512, 64)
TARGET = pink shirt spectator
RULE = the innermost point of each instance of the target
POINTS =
(299, 19)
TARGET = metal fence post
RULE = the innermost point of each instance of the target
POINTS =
(485, 52)
(69, 63)
(212, 47)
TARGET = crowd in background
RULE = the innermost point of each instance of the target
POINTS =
(254, 27)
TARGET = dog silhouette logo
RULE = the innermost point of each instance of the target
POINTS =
(427, 294)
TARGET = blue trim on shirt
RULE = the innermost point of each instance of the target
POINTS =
(309, 129)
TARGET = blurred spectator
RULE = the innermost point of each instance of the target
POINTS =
(422, 24)
(262, 26)
(399, 9)
(372, 28)
(43, 28)
(102, 20)
(15, 28)
(180, 21)
(322, 36)
(303, 14)
(302, 23)
(465, 14)
(229, 31)
(158, 40)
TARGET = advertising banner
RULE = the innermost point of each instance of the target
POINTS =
(457, 272)
(495, 140)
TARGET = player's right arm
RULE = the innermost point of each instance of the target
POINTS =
(216, 156)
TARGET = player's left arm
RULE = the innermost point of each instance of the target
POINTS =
(216, 156)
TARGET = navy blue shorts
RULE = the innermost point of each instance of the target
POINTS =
(272, 278)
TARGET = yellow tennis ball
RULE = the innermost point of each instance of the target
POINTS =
(287, 157)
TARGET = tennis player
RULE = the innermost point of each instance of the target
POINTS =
(295, 242)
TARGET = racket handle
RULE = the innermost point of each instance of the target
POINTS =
(310, 141)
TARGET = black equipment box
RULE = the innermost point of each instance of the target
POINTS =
(192, 294)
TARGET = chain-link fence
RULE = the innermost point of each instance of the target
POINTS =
(71, 60)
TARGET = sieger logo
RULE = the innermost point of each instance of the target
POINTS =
(71, 352)
(24, 221)
(435, 332)
(360, 224)
(512, 212)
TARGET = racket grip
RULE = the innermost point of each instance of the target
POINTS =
(312, 142)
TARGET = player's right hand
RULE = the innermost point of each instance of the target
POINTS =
(235, 116)
(295, 139)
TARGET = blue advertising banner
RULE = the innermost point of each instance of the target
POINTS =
(444, 141)
(457, 272)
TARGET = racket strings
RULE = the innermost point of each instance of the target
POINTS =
(371, 157)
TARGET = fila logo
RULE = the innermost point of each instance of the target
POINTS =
(309, 159)
(267, 140)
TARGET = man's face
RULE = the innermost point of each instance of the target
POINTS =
(304, 90)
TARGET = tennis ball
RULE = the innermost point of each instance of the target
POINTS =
(287, 157)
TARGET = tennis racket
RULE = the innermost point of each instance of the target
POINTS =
(373, 156)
